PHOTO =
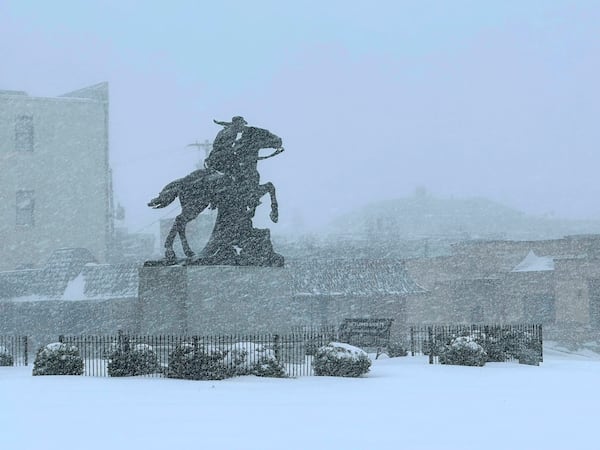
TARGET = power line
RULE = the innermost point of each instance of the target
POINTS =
(139, 230)
(206, 145)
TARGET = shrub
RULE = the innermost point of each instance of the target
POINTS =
(269, 367)
(493, 345)
(463, 351)
(311, 347)
(6, 359)
(530, 357)
(248, 358)
(140, 359)
(519, 342)
(341, 360)
(58, 359)
(495, 348)
(194, 362)
(109, 349)
(395, 350)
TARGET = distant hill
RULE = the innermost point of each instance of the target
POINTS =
(424, 216)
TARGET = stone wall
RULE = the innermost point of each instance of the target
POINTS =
(212, 300)
(224, 300)
(45, 321)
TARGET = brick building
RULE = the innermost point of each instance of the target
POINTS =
(55, 188)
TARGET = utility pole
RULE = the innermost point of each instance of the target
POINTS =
(207, 146)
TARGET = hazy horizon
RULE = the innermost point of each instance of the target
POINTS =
(466, 99)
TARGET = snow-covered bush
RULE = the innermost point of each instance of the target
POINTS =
(495, 348)
(139, 359)
(195, 362)
(529, 356)
(58, 359)
(248, 358)
(518, 342)
(493, 343)
(341, 360)
(463, 351)
(6, 359)
(109, 349)
(395, 350)
(526, 348)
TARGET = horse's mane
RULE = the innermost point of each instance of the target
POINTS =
(258, 132)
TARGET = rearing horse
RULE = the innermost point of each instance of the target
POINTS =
(235, 192)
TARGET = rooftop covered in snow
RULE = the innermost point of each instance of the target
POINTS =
(534, 263)
(71, 274)
(359, 277)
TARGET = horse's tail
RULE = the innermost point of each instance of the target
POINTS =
(166, 196)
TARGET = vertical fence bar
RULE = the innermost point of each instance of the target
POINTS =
(541, 342)
(277, 347)
(87, 356)
(430, 337)
(98, 353)
(79, 343)
(89, 363)
(25, 350)
(93, 351)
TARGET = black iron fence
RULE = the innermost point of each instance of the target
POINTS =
(294, 351)
(501, 342)
(14, 350)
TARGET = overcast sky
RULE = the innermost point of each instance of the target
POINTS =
(498, 99)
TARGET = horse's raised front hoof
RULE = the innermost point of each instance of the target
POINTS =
(274, 215)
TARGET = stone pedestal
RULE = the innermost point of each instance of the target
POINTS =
(214, 300)
(162, 300)
(219, 300)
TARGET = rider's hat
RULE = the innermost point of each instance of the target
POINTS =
(234, 119)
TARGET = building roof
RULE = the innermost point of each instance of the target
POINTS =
(111, 280)
(71, 274)
(351, 277)
(534, 263)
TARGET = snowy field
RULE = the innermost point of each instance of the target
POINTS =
(403, 403)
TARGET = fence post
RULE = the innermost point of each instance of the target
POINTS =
(25, 350)
(61, 338)
(430, 338)
(541, 343)
(277, 347)
(412, 341)
(123, 341)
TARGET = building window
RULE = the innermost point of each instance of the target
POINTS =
(25, 206)
(24, 134)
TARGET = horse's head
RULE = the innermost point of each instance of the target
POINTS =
(257, 138)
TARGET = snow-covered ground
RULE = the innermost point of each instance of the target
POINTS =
(403, 403)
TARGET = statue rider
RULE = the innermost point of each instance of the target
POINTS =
(223, 154)
(227, 156)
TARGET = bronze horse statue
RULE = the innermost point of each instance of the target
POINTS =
(230, 184)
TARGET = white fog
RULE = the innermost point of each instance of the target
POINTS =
(433, 206)
(468, 99)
